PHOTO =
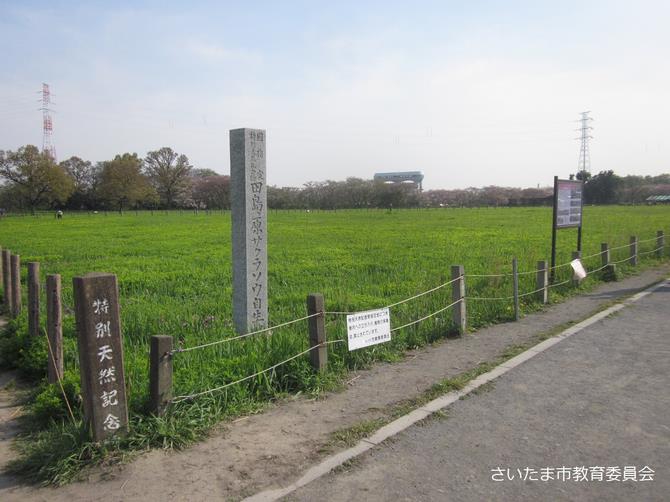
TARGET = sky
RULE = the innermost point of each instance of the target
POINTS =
(470, 93)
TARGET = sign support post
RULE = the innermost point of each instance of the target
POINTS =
(553, 232)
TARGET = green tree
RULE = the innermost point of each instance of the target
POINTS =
(35, 178)
(122, 183)
(169, 174)
(602, 188)
(85, 177)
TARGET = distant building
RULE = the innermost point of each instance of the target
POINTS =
(415, 177)
(658, 199)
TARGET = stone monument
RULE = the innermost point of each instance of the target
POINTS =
(249, 230)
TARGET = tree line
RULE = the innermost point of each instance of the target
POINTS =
(162, 179)
(606, 187)
(166, 179)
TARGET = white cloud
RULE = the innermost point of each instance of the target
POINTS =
(209, 52)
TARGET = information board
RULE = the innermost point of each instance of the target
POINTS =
(569, 203)
(368, 328)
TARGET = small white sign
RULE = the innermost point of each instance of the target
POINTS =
(368, 328)
(579, 270)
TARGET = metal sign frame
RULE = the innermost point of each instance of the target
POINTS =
(555, 226)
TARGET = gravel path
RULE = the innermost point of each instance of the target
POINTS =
(598, 399)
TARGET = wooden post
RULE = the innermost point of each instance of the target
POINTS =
(660, 243)
(7, 289)
(515, 276)
(633, 250)
(609, 272)
(317, 331)
(160, 373)
(542, 282)
(604, 254)
(16, 285)
(54, 328)
(34, 298)
(96, 302)
(458, 293)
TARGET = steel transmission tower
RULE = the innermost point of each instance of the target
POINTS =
(584, 152)
(47, 124)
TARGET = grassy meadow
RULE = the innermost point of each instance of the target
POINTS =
(174, 272)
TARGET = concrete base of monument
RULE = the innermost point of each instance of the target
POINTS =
(274, 449)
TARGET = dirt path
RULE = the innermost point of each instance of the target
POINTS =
(268, 449)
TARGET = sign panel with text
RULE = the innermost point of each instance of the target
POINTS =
(368, 328)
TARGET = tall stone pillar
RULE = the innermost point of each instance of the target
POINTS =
(248, 191)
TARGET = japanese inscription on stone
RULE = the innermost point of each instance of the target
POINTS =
(96, 300)
(249, 232)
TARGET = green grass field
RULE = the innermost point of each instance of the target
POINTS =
(174, 272)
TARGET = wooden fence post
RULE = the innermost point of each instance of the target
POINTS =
(633, 250)
(604, 254)
(515, 277)
(458, 295)
(54, 328)
(542, 282)
(7, 289)
(317, 331)
(660, 243)
(16, 285)
(34, 298)
(160, 373)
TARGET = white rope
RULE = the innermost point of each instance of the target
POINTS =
(527, 272)
(225, 340)
(647, 240)
(559, 283)
(179, 399)
(597, 270)
(593, 255)
(652, 251)
(621, 247)
(533, 271)
(493, 298)
(421, 294)
(560, 266)
(428, 316)
(531, 292)
(401, 301)
(487, 275)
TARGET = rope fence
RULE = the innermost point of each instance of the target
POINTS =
(186, 397)
(428, 316)
(246, 335)
(317, 339)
